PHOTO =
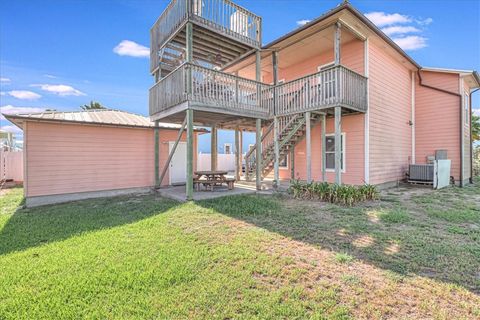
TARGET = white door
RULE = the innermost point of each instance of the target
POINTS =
(178, 165)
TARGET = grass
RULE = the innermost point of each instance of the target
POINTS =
(265, 257)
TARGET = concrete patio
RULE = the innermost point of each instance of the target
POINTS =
(241, 187)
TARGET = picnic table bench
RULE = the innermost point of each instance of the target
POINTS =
(212, 179)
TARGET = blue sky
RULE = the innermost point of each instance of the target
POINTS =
(60, 54)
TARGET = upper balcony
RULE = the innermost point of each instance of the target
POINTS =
(223, 97)
(224, 31)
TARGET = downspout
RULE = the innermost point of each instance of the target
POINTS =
(471, 136)
(461, 122)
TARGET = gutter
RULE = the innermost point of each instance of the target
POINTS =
(461, 122)
(471, 136)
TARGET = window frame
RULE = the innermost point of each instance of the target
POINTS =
(344, 151)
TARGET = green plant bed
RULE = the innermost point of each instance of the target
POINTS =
(339, 194)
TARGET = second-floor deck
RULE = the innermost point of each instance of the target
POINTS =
(211, 91)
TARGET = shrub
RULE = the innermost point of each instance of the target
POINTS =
(341, 194)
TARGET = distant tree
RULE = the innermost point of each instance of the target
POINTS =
(92, 106)
(475, 127)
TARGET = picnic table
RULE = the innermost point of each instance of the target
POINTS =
(210, 179)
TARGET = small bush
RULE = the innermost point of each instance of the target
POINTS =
(340, 194)
(343, 258)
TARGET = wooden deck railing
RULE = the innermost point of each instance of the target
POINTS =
(223, 92)
(333, 86)
(222, 16)
(213, 89)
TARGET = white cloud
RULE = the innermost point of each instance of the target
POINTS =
(385, 19)
(24, 94)
(399, 30)
(60, 89)
(5, 80)
(9, 109)
(12, 129)
(476, 112)
(424, 22)
(303, 22)
(131, 49)
(406, 31)
(50, 76)
(411, 42)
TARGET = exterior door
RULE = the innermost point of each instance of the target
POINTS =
(178, 165)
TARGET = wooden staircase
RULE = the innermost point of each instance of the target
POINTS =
(291, 132)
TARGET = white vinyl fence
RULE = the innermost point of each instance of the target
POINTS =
(224, 162)
(11, 165)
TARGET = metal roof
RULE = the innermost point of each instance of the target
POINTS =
(98, 116)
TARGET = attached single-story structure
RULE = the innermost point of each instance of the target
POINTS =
(84, 154)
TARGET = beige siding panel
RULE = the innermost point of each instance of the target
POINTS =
(390, 113)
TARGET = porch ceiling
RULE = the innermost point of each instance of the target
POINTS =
(300, 50)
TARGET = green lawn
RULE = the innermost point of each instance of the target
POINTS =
(410, 255)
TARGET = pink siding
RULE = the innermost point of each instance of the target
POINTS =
(353, 127)
(390, 113)
(437, 119)
(352, 57)
(444, 81)
(79, 158)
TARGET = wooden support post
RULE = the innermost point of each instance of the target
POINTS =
(189, 184)
(324, 147)
(258, 155)
(213, 148)
(189, 113)
(337, 42)
(157, 155)
(292, 163)
(276, 159)
(338, 145)
(308, 140)
(258, 137)
(238, 153)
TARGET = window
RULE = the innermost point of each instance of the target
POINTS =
(467, 109)
(283, 163)
(227, 148)
(330, 152)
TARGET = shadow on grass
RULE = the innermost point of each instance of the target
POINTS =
(386, 235)
(27, 228)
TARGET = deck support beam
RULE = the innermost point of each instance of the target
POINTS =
(324, 147)
(189, 114)
(337, 42)
(338, 145)
(258, 155)
(238, 153)
(157, 155)
(189, 183)
(276, 160)
(213, 148)
(308, 140)
(292, 162)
